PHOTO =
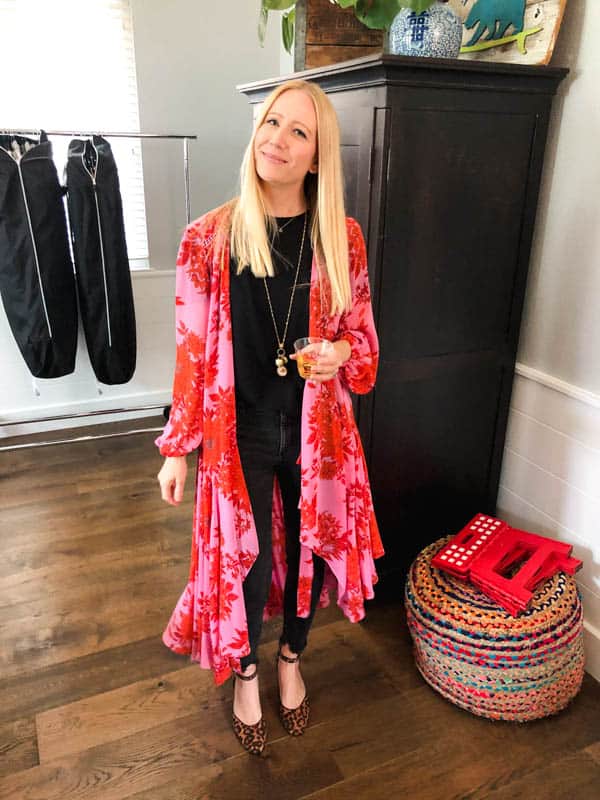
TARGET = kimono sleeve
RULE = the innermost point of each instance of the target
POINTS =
(357, 326)
(183, 431)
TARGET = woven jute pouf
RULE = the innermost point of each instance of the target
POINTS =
(486, 661)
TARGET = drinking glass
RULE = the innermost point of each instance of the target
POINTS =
(308, 349)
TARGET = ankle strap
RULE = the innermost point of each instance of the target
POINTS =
(246, 677)
(287, 659)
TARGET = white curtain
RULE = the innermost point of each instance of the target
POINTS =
(70, 65)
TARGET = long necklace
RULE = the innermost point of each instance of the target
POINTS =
(281, 358)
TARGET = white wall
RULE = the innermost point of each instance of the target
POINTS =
(550, 480)
(190, 55)
(561, 330)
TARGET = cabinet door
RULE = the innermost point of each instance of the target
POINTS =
(356, 143)
(457, 186)
(356, 140)
(456, 193)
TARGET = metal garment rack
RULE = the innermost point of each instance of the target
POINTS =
(186, 171)
(121, 135)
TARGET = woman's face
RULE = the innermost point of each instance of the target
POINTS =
(285, 145)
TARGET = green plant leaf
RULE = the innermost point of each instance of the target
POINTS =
(345, 3)
(278, 5)
(287, 29)
(379, 14)
(416, 5)
(262, 25)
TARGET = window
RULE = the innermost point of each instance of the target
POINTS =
(69, 65)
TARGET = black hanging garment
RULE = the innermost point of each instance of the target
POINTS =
(36, 273)
(101, 262)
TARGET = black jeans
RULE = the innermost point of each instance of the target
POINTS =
(269, 444)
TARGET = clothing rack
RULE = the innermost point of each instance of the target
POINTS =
(122, 135)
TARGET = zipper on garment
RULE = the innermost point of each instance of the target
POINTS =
(33, 245)
(93, 179)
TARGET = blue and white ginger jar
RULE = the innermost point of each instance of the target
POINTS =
(436, 32)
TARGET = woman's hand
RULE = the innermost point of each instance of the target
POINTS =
(172, 479)
(328, 363)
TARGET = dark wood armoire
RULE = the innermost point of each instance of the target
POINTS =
(443, 161)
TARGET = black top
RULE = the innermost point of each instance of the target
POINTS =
(254, 342)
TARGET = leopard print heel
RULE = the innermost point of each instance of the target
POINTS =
(294, 720)
(253, 738)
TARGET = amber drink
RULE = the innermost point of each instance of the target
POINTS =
(308, 350)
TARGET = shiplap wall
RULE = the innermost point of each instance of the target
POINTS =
(550, 481)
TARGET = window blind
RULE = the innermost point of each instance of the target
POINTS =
(70, 65)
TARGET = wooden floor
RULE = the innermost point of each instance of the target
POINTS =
(92, 705)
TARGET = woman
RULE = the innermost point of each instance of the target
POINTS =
(283, 506)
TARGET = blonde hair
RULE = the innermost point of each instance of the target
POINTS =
(251, 224)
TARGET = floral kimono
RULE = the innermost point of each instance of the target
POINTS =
(336, 511)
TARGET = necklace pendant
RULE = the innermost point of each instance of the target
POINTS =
(281, 361)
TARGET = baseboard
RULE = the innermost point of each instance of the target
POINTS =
(591, 643)
(79, 413)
